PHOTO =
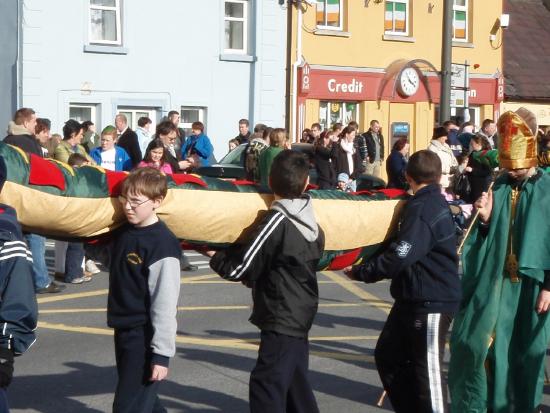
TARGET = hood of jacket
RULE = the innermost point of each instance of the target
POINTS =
(14, 129)
(300, 212)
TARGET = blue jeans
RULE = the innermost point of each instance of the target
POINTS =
(73, 261)
(37, 245)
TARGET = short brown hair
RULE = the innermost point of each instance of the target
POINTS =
(145, 181)
(278, 137)
(23, 115)
(198, 126)
(42, 125)
(424, 167)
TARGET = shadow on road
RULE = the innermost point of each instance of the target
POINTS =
(58, 392)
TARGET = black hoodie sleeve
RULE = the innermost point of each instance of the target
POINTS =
(247, 262)
(414, 241)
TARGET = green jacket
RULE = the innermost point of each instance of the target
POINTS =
(64, 150)
(499, 342)
(266, 159)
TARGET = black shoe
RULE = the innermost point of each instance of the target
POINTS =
(51, 288)
(190, 267)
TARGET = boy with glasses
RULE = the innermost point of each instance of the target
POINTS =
(143, 293)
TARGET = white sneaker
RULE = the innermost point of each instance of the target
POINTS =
(91, 267)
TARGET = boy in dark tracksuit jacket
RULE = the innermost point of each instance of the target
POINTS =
(422, 264)
(279, 264)
(144, 283)
(18, 308)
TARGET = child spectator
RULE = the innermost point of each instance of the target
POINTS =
(110, 156)
(279, 264)
(144, 255)
(232, 144)
(155, 157)
(423, 267)
(197, 150)
(344, 183)
(18, 308)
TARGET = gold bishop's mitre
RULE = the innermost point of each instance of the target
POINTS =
(517, 143)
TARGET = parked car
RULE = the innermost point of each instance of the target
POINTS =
(231, 166)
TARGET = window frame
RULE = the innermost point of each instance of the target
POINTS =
(81, 105)
(406, 33)
(244, 20)
(466, 11)
(340, 26)
(118, 22)
(132, 123)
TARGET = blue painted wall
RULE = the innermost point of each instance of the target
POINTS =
(171, 57)
(8, 63)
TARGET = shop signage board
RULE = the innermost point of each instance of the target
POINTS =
(459, 85)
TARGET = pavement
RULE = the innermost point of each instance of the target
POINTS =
(71, 367)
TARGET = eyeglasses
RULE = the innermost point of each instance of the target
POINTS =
(133, 205)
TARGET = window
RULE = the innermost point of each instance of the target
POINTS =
(134, 113)
(105, 22)
(236, 26)
(396, 20)
(83, 111)
(190, 114)
(329, 14)
(460, 20)
(333, 112)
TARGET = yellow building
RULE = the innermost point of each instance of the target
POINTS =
(374, 59)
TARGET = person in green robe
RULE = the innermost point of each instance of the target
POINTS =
(500, 335)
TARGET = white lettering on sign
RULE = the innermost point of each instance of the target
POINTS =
(354, 86)
(472, 93)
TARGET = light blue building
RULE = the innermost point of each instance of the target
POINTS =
(212, 60)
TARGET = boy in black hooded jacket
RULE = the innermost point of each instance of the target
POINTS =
(279, 264)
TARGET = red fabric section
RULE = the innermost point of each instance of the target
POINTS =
(392, 192)
(45, 173)
(244, 182)
(344, 260)
(181, 179)
(311, 186)
(114, 181)
(2, 210)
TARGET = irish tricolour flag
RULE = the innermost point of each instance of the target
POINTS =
(460, 24)
(396, 16)
(329, 9)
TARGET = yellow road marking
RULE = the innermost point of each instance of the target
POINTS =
(240, 344)
(189, 308)
(63, 297)
(353, 288)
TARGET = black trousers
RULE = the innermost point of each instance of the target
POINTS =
(408, 357)
(134, 392)
(279, 382)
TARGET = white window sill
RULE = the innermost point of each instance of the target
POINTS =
(463, 44)
(107, 49)
(398, 38)
(238, 58)
(327, 32)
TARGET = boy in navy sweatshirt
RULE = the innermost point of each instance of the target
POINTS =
(144, 284)
(422, 264)
(18, 308)
(279, 264)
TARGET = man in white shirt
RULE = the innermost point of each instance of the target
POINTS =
(144, 134)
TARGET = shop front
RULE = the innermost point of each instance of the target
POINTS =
(405, 103)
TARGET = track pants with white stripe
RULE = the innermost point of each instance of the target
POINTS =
(409, 355)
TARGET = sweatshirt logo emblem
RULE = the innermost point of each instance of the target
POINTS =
(403, 249)
(133, 258)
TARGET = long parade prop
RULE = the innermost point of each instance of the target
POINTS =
(56, 200)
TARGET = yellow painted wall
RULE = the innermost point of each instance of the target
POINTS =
(365, 46)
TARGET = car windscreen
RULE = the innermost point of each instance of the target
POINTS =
(235, 157)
